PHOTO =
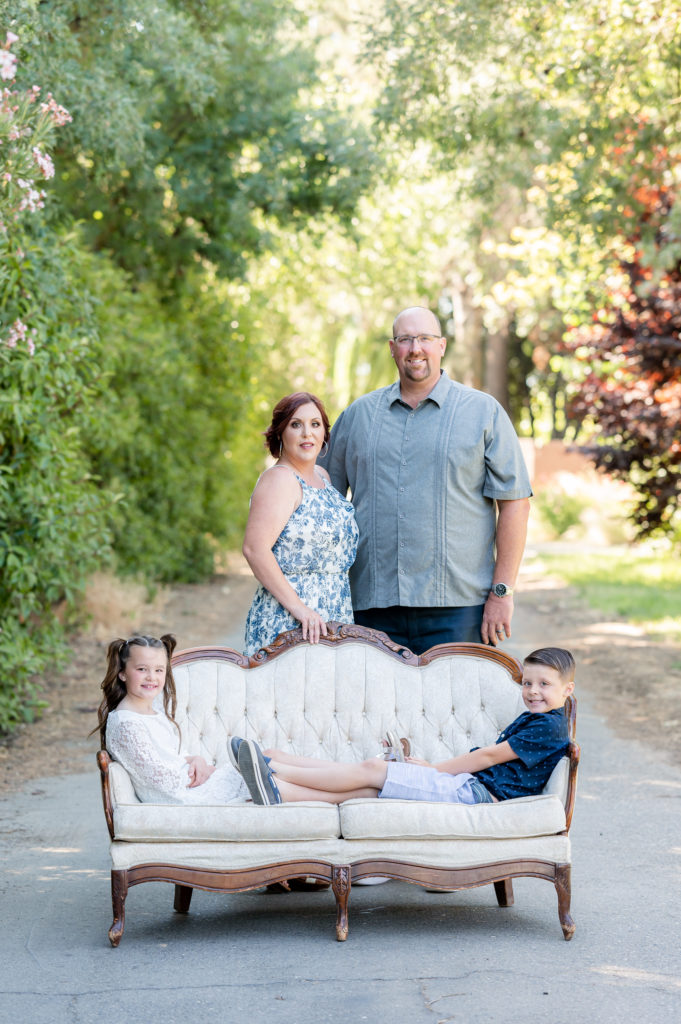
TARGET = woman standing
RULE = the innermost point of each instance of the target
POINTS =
(301, 535)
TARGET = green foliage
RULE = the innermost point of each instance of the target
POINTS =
(642, 584)
(191, 123)
(53, 520)
(542, 92)
(558, 510)
(175, 399)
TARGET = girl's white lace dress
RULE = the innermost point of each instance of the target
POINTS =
(149, 748)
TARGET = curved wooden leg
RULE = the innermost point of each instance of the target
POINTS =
(119, 890)
(183, 897)
(504, 891)
(562, 884)
(340, 882)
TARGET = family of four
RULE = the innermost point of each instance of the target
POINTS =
(427, 550)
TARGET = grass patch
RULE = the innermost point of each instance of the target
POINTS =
(641, 586)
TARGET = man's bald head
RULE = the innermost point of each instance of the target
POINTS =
(431, 324)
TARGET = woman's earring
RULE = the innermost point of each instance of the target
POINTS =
(321, 451)
(281, 448)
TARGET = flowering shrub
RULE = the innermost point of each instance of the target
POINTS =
(52, 519)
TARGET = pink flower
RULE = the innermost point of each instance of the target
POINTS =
(59, 115)
(8, 64)
(17, 332)
(44, 162)
(11, 38)
(31, 346)
(33, 200)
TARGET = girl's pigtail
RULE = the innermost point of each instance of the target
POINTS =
(169, 694)
(113, 688)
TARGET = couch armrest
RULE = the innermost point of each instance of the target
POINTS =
(574, 754)
(103, 760)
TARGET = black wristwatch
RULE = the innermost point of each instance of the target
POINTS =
(501, 590)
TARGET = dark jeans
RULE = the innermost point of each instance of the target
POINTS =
(422, 628)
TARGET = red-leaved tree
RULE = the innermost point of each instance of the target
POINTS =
(632, 390)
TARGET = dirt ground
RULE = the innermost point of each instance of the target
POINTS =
(634, 682)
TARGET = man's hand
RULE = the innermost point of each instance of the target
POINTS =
(496, 620)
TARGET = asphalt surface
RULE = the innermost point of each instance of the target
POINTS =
(411, 957)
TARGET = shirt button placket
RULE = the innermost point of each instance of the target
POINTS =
(401, 507)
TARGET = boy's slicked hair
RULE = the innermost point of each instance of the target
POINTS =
(554, 657)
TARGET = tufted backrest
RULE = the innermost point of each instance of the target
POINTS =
(336, 700)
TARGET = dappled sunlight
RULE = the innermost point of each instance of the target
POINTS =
(616, 629)
(57, 849)
(635, 974)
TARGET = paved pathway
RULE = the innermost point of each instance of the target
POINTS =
(411, 957)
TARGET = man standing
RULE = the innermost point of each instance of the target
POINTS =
(440, 491)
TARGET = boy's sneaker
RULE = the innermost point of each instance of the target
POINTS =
(233, 751)
(256, 774)
(400, 745)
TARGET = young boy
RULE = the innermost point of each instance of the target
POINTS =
(518, 764)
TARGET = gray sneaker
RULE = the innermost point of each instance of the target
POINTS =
(233, 751)
(256, 774)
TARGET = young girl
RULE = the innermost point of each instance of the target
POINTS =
(147, 742)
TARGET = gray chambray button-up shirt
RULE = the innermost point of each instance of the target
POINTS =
(424, 483)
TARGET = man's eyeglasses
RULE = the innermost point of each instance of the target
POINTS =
(409, 339)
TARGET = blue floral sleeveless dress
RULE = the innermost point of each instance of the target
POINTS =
(314, 551)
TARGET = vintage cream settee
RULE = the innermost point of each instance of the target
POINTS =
(336, 700)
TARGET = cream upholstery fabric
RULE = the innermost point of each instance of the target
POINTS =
(433, 852)
(122, 791)
(337, 703)
(164, 823)
(397, 819)
(560, 778)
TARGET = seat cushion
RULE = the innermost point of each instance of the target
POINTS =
(176, 823)
(413, 819)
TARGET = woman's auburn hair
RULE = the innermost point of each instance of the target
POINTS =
(284, 412)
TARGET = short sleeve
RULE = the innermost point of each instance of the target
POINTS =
(334, 460)
(506, 476)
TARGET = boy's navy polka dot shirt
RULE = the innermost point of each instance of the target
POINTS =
(538, 741)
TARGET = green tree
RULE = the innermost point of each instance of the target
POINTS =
(193, 122)
(53, 520)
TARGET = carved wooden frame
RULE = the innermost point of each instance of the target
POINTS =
(341, 877)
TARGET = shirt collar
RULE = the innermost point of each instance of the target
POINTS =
(437, 395)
